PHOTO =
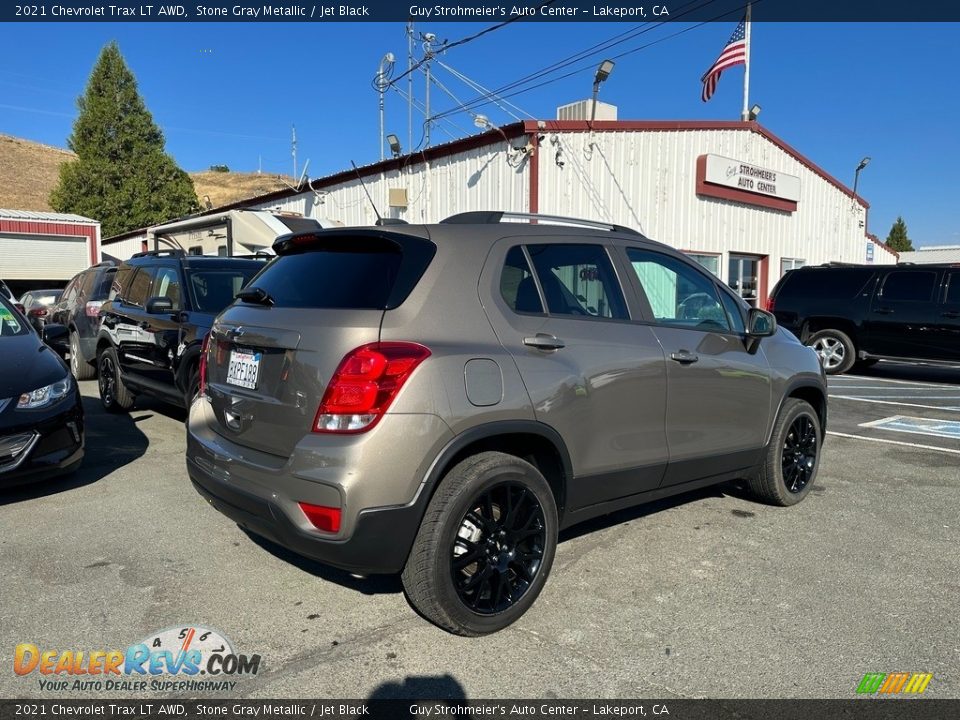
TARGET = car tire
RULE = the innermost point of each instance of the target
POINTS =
(193, 388)
(81, 369)
(114, 395)
(836, 350)
(792, 457)
(498, 513)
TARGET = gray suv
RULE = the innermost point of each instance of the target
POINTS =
(441, 400)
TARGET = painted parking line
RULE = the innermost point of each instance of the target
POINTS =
(894, 442)
(854, 398)
(869, 379)
(917, 426)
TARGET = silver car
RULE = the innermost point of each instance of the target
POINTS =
(441, 400)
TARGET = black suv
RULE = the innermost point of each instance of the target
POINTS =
(858, 314)
(160, 309)
(78, 310)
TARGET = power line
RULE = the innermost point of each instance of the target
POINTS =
(608, 44)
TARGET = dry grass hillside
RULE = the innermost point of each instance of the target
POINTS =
(30, 170)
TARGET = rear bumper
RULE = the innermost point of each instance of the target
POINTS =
(376, 485)
(380, 542)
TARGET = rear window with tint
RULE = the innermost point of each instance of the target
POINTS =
(101, 287)
(840, 283)
(356, 276)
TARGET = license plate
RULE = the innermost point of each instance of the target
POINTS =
(244, 369)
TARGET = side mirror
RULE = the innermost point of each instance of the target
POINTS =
(761, 323)
(159, 305)
(57, 337)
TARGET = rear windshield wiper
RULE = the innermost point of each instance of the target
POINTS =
(255, 295)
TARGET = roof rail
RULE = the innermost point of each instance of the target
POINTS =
(492, 217)
(167, 252)
(105, 263)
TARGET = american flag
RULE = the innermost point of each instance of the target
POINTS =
(735, 53)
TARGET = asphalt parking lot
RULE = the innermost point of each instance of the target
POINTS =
(704, 595)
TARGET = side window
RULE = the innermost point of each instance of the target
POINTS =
(953, 289)
(139, 289)
(678, 294)
(734, 312)
(121, 279)
(69, 291)
(578, 280)
(167, 284)
(909, 286)
(517, 285)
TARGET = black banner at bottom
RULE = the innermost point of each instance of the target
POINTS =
(867, 708)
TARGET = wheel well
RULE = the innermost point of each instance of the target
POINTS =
(101, 344)
(815, 398)
(815, 325)
(535, 449)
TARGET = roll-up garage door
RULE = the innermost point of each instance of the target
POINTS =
(41, 257)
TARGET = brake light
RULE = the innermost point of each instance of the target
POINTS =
(38, 312)
(771, 302)
(365, 384)
(92, 308)
(321, 517)
(203, 363)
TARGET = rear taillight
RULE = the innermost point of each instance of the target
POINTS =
(38, 312)
(203, 363)
(92, 308)
(770, 303)
(364, 385)
(322, 517)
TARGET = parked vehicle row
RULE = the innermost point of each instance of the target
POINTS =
(440, 401)
(855, 315)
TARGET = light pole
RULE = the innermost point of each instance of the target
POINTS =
(386, 64)
(603, 72)
(856, 176)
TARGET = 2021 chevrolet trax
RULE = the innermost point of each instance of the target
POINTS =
(440, 400)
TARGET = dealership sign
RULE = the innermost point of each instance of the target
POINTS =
(742, 176)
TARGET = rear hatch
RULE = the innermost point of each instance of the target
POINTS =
(272, 354)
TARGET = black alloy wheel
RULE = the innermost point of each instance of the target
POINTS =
(799, 456)
(498, 549)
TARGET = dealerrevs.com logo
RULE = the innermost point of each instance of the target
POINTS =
(184, 658)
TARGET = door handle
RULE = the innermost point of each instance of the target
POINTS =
(951, 314)
(544, 341)
(884, 311)
(684, 357)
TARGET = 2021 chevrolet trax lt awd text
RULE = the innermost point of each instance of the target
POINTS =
(440, 400)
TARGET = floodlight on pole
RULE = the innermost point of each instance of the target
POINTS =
(856, 175)
(394, 142)
(603, 72)
(754, 112)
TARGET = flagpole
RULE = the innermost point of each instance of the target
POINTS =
(745, 114)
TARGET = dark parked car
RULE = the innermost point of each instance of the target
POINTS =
(37, 306)
(161, 306)
(41, 416)
(78, 309)
(855, 315)
(440, 400)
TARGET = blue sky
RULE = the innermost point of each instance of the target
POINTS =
(229, 93)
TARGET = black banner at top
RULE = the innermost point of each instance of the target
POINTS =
(481, 11)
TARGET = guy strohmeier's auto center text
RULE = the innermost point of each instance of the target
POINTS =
(319, 12)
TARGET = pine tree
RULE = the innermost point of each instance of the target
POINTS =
(122, 176)
(898, 239)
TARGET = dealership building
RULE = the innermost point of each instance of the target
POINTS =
(732, 195)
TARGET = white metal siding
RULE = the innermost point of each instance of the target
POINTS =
(479, 179)
(124, 249)
(41, 257)
(647, 180)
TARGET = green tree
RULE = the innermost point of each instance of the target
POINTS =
(898, 239)
(122, 176)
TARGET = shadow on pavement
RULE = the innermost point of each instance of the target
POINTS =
(420, 687)
(372, 585)
(112, 441)
(911, 373)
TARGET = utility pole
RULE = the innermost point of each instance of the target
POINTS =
(410, 37)
(428, 39)
(386, 63)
